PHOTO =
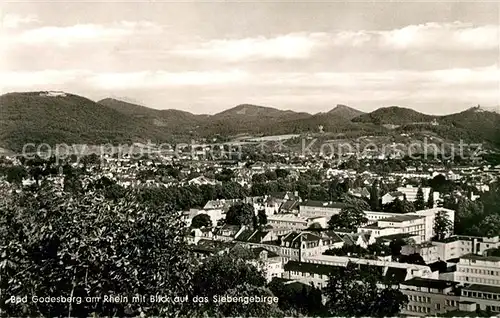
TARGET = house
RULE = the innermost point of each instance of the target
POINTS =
(360, 192)
(391, 196)
(53, 94)
(227, 232)
(206, 248)
(290, 206)
(202, 180)
(359, 239)
(281, 197)
(199, 234)
(293, 245)
(187, 216)
(269, 262)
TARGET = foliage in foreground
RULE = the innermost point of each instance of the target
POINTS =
(59, 245)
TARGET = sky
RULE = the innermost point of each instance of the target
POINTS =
(205, 57)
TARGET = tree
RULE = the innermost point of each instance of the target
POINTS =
(350, 217)
(414, 258)
(228, 275)
(83, 246)
(225, 175)
(375, 196)
(490, 225)
(430, 201)
(201, 220)
(395, 246)
(282, 173)
(442, 225)
(420, 201)
(262, 217)
(348, 284)
(298, 297)
(16, 174)
(401, 206)
(240, 214)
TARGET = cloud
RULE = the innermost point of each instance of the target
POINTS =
(387, 80)
(289, 46)
(14, 21)
(444, 36)
(447, 37)
(40, 79)
(446, 79)
(118, 80)
(83, 33)
(158, 79)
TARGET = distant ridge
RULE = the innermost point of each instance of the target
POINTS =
(171, 118)
(59, 117)
(393, 115)
(345, 112)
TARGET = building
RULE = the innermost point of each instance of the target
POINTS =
(413, 225)
(312, 208)
(429, 216)
(268, 262)
(410, 193)
(478, 269)
(412, 270)
(391, 196)
(429, 297)
(486, 297)
(294, 222)
(293, 245)
(457, 246)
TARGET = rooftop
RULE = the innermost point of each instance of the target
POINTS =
(429, 283)
(483, 288)
(481, 258)
(401, 218)
(303, 267)
(334, 205)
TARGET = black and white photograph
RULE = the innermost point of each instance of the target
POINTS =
(249, 158)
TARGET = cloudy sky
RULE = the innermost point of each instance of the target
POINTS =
(207, 57)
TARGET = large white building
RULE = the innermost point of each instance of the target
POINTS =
(477, 269)
(420, 223)
(320, 209)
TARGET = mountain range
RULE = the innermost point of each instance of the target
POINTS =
(39, 117)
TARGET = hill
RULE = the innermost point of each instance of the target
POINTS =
(247, 118)
(394, 115)
(36, 118)
(346, 112)
(172, 119)
(476, 123)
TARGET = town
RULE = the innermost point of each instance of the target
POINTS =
(428, 227)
